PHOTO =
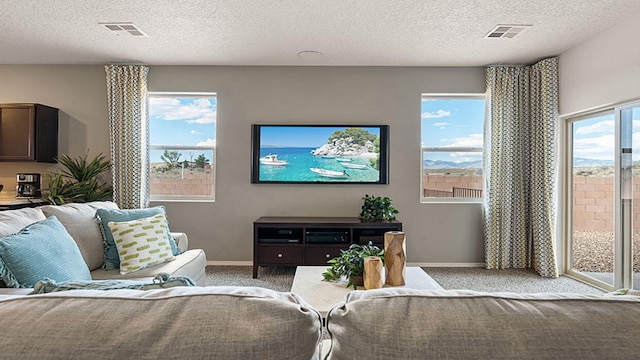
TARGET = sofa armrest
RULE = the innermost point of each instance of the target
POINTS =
(181, 241)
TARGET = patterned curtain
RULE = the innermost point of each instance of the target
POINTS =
(521, 167)
(128, 127)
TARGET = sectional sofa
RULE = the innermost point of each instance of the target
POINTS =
(80, 222)
(256, 323)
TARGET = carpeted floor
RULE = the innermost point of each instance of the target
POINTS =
(512, 280)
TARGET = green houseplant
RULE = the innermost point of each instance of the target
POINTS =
(350, 263)
(377, 208)
(79, 181)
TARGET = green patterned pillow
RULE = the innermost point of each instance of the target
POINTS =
(141, 243)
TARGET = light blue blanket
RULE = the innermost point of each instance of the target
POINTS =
(161, 281)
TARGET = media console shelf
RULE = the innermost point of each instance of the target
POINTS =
(294, 241)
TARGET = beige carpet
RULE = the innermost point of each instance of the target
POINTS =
(512, 280)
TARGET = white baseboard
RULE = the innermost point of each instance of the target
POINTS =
(230, 263)
(430, 264)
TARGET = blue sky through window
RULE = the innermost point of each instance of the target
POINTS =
(453, 123)
(594, 139)
(187, 121)
(184, 121)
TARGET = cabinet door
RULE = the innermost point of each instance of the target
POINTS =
(316, 255)
(280, 255)
(17, 133)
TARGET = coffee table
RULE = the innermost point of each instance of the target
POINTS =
(323, 295)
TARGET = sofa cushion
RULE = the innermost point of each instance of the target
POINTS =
(41, 250)
(111, 258)
(80, 222)
(141, 243)
(404, 323)
(176, 323)
(190, 263)
(13, 221)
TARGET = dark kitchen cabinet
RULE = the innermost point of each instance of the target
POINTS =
(28, 132)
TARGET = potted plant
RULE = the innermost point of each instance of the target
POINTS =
(377, 208)
(79, 181)
(350, 264)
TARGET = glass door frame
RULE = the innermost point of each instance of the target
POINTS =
(623, 246)
(568, 199)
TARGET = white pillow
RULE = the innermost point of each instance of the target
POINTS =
(12, 221)
(141, 243)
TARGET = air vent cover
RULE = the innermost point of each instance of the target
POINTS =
(123, 29)
(505, 31)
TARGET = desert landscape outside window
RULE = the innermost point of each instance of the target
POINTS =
(604, 197)
(451, 153)
(182, 134)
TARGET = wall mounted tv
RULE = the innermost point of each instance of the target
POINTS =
(320, 154)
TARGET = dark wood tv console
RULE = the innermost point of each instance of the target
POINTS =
(294, 241)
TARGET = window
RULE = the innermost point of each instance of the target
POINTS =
(452, 131)
(182, 134)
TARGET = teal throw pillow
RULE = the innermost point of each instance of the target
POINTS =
(111, 257)
(41, 250)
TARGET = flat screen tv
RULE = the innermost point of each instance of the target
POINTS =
(320, 154)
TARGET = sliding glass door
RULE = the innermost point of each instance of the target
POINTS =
(592, 189)
(603, 197)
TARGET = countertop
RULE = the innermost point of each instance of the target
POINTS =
(9, 201)
(6, 202)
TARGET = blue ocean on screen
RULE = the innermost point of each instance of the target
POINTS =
(294, 164)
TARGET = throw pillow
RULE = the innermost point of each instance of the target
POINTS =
(12, 221)
(111, 258)
(80, 221)
(41, 250)
(141, 243)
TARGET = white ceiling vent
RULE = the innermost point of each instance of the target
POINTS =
(505, 31)
(123, 29)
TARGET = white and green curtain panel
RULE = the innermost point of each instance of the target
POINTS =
(129, 135)
(521, 169)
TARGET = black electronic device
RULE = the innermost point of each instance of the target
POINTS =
(364, 236)
(327, 236)
(280, 236)
(281, 154)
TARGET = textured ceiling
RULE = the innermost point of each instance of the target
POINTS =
(273, 32)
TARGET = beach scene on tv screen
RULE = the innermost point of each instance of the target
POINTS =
(319, 154)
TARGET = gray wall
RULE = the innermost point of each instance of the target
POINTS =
(436, 233)
(603, 70)
(597, 73)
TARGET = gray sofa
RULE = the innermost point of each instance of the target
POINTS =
(79, 220)
(256, 323)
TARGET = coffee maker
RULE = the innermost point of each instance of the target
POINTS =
(28, 186)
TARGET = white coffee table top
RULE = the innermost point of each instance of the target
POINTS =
(323, 295)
